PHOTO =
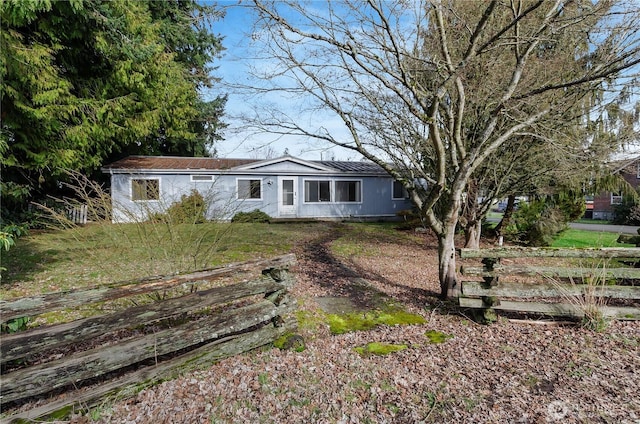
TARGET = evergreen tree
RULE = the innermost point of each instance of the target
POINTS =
(84, 82)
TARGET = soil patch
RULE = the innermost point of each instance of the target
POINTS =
(337, 305)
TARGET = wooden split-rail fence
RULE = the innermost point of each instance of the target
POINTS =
(573, 281)
(199, 324)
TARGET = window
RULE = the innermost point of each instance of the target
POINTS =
(348, 191)
(250, 189)
(317, 191)
(399, 192)
(616, 198)
(201, 178)
(145, 189)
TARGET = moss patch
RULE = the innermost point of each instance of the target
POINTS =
(437, 336)
(376, 348)
(309, 321)
(366, 320)
(290, 341)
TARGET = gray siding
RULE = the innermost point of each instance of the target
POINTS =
(376, 196)
(369, 197)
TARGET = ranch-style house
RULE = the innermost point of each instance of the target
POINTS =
(283, 188)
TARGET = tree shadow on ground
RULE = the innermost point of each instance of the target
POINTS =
(350, 281)
(25, 260)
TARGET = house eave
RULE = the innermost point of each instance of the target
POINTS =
(269, 173)
(624, 164)
(136, 165)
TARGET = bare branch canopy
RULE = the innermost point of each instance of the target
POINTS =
(434, 91)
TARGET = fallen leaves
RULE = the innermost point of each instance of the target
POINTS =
(505, 372)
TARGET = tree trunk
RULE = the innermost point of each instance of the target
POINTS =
(470, 216)
(472, 235)
(506, 217)
(449, 285)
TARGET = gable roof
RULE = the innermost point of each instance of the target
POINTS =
(287, 160)
(628, 165)
(181, 164)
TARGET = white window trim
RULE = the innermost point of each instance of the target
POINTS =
(304, 191)
(616, 199)
(145, 178)
(209, 180)
(249, 199)
(403, 189)
(348, 181)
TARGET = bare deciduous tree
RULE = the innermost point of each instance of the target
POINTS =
(437, 91)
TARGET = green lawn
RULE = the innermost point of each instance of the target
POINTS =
(584, 238)
(593, 221)
(106, 253)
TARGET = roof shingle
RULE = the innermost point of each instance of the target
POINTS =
(139, 163)
(174, 162)
(355, 167)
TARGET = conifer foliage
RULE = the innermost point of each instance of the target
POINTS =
(84, 82)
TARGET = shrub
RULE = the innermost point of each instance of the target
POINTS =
(255, 215)
(634, 215)
(523, 220)
(626, 213)
(536, 223)
(410, 219)
(9, 233)
(552, 222)
(571, 204)
(8, 236)
(540, 221)
(14, 325)
(189, 210)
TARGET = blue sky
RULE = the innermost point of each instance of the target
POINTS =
(234, 68)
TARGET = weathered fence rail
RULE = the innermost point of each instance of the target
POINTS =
(588, 286)
(197, 326)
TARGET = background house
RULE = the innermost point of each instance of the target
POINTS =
(285, 187)
(604, 203)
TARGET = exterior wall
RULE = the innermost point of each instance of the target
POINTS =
(226, 199)
(221, 194)
(602, 207)
(172, 187)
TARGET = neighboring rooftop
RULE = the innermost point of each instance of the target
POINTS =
(629, 165)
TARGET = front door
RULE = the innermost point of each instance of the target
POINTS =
(288, 194)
